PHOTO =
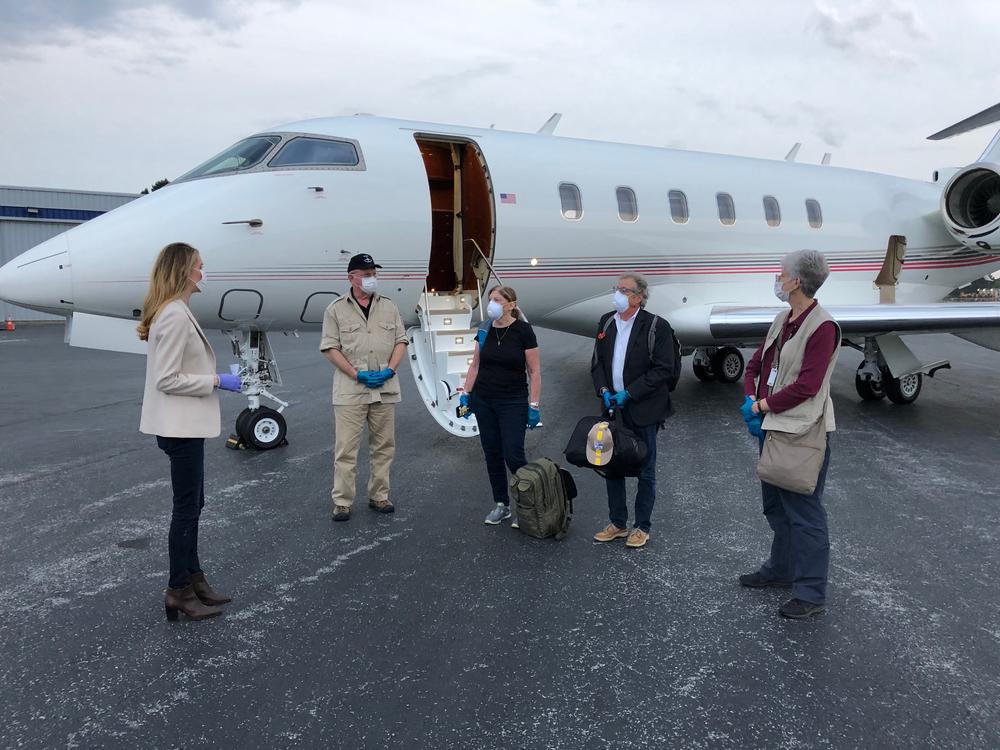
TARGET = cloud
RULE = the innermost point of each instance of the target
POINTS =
(865, 30)
(466, 76)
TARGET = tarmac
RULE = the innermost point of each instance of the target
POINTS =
(428, 629)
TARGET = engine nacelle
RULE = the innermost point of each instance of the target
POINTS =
(970, 206)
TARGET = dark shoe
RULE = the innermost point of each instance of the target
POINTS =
(757, 581)
(341, 512)
(381, 506)
(186, 601)
(800, 610)
(204, 591)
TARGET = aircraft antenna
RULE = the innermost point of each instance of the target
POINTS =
(550, 125)
(793, 152)
(826, 158)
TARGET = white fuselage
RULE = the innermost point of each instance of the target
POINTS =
(280, 275)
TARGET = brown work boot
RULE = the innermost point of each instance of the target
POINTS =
(381, 506)
(341, 512)
(610, 533)
(186, 601)
(204, 591)
(637, 538)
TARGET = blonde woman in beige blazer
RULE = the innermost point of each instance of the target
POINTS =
(180, 407)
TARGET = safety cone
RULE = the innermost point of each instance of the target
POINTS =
(10, 324)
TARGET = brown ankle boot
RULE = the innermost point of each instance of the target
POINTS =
(186, 601)
(205, 592)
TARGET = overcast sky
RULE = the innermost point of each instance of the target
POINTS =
(112, 95)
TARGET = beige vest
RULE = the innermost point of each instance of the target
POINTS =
(800, 418)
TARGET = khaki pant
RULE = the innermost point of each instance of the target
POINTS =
(349, 422)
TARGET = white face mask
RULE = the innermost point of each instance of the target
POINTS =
(369, 284)
(494, 310)
(621, 301)
(779, 292)
(201, 282)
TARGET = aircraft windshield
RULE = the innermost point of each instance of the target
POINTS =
(244, 155)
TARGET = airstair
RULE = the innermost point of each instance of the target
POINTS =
(441, 350)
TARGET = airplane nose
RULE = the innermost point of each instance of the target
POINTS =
(40, 278)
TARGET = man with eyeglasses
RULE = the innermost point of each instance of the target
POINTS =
(364, 338)
(632, 367)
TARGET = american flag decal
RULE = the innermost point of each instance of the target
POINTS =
(508, 197)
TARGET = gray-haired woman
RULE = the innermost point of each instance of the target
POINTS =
(788, 390)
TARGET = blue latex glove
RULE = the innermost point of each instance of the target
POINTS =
(747, 409)
(229, 382)
(376, 379)
(606, 397)
(481, 337)
(755, 425)
(620, 399)
(386, 374)
(365, 378)
(534, 417)
(463, 402)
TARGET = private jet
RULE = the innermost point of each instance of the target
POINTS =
(449, 210)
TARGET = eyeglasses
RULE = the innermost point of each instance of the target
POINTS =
(624, 290)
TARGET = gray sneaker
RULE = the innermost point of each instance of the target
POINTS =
(498, 514)
(514, 524)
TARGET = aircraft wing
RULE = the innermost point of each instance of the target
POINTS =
(971, 320)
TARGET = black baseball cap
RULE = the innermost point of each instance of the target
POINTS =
(362, 262)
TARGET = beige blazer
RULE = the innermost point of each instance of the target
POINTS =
(179, 399)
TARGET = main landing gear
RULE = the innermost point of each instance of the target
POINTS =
(724, 364)
(259, 427)
(885, 356)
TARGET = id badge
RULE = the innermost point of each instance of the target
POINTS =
(772, 377)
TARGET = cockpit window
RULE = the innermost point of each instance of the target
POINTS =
(244, 155)
(315, 152)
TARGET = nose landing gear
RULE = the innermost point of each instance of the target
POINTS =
(259, 427)
(724, 364)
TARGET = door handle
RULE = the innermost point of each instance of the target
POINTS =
(252, 222)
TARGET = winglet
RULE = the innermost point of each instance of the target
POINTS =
(987, 116)
(793, 152)
(550, 125)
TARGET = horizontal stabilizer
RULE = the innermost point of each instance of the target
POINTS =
(986, 117)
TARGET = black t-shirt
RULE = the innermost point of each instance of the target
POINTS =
(502, 372)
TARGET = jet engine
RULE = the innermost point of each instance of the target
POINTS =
(970, 206)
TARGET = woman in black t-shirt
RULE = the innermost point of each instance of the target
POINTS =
(497, 391)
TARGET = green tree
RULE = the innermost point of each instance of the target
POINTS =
(155, 186)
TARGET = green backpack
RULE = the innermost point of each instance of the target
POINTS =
(543, 496)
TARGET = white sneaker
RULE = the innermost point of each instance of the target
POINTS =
(514, 524)
(498, 514)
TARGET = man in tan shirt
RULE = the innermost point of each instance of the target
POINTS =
(364, 338)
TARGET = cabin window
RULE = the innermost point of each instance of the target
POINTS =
(572, 203)
(315, 152)
(678, 207)
(244, 155)
(727, 210)
(772, 211)
(628, 207)
(815, 213)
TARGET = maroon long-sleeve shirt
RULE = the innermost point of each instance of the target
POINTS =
(815, 361)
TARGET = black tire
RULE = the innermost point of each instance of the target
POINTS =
(868, 389)
(265, 429)
(702, 372)
(728, 365)
(902, 390)
(241, 430)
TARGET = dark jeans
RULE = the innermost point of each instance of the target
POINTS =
(187, 475)
(800, 550)
(646, 495)
(502, 422)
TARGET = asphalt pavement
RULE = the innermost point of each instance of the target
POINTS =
(428, 629)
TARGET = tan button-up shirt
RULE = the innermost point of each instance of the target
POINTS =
(366, 343)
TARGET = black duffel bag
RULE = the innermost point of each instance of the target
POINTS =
(627, 456)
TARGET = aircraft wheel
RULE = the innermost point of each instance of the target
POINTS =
(902, 390)
(727, 364)
(264, 429)
(869, 390)
(241, 424)
(702, 372)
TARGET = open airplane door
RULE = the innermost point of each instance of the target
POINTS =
(450, 308)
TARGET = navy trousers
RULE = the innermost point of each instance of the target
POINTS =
(502, 423)
(800, 550)
(187, 475)
(646, 495)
